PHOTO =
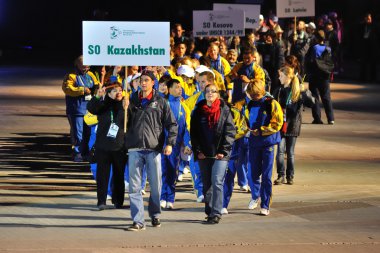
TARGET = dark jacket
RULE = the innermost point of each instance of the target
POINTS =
(146, 124)
(293, 112)
(223, 133)
(104, 109)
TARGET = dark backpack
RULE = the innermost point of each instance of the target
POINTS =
(325, 63)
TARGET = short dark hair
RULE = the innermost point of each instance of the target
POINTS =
(164, 79)
(171, 82)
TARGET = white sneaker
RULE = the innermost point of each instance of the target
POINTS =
(163, 204)
(169, 205)
(143, 192)
(200, 199)
(253, 204)
(264, 211)
(224, 211)
(109, 197)
(186, 170)
(244, 188)
(180, 178)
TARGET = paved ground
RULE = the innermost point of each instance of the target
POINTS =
(47, 203)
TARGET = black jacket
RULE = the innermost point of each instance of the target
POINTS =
(293, 112)
(146, 125)
(224, 133)
(103, 109)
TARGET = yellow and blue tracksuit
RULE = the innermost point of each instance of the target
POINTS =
(170, 163)
(266, 116)
(252, 71)
(221, 65)
(235, 164)
(73, 86)
(191, 104)
(188, 89)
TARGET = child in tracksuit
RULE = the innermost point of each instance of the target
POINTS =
(265, 121)
(170, 164)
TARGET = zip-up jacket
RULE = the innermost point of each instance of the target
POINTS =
(73, 86)
(146, 124)
(266, 116)
(223, 135)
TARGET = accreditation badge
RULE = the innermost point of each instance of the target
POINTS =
(112, 132)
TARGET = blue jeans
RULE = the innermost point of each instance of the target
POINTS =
(287, 145)
(152, 162)
(213, 174)
(261, 164)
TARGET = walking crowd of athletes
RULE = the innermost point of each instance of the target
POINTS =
(226, 106)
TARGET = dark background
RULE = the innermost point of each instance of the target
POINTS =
(43, 31)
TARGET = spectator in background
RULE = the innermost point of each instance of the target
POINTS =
(319, 81)
(300, 43)
(368, 36)
(179, 34)
(232, 56)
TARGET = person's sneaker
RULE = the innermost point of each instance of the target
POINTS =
(102, 207)
(224, 211)
(186, 170)
(163, 204)
(244, 188)
(143, 192)
(180, 178)
(331, 122)
(78, 158)
(200, 199)
(169, 205)
(156, 222)
(253, 204)
(212, 220)
(136, 227)
(264, 212)
(109, 197)
(279, 180)
(289, 181)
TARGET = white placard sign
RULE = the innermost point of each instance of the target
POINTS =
(252, 12)
(126, 43)
(218, 23)
(295, 8)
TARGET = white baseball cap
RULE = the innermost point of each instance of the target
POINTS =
(130, 78)
(203, 68)
(185, 70)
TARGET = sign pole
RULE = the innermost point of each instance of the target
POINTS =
(295, 30)
(126, 99)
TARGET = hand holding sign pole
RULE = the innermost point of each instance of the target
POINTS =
(126, 100)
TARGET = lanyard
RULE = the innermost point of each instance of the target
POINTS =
(111, 117)
(287, 100)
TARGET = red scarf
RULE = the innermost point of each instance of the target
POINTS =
(212, 113)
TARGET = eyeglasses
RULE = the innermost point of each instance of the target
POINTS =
(211, 91)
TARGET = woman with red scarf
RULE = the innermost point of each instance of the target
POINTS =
(212, 133)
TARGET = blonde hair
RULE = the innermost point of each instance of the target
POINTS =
(294, 83)
(256, 87)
